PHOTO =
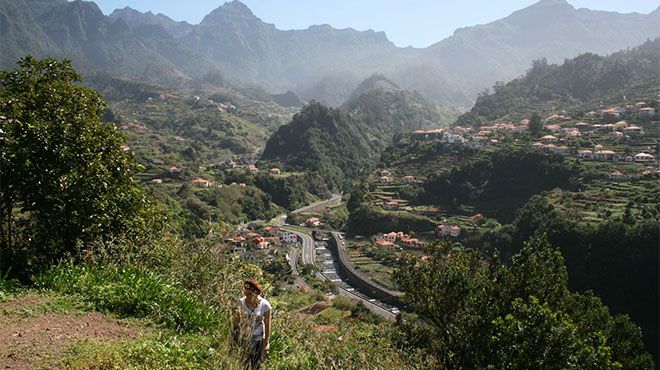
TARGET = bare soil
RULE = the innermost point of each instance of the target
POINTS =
(39, 341)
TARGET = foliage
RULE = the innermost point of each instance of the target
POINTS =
(366, 220)
(66, 180)
(587, 76)
(474, 313)
(343, 146)
(506, 173)
(129, 292)
(535, 125)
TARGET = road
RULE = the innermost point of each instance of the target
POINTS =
(335, 199)
(307, 246)
(280, 220)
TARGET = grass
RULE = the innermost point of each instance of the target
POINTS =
(155, 352)
(331, 315)
(47, 303)
(128, 292)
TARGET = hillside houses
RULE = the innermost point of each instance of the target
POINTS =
(396, 238)
(448, 230)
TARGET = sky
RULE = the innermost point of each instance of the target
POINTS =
(417, 23)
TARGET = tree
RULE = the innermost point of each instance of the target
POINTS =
(535, 125)
(473, 313)
(66, 181)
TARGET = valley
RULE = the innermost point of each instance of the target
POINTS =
(491, 201)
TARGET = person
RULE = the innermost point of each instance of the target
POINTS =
(251, 325)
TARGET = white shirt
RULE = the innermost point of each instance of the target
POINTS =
(255, 318)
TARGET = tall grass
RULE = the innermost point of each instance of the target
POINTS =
(126, 292)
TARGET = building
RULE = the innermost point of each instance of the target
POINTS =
(392, 206)
(385, 179)
(604, 155)
(157, 181)
(585, 154)
(409, 179)
(616, 175)
(385, 173)
(455, 231)
(275, 171)
(644, 157)
(610, 114)
(204, 183)
(253, 169)
(384, 243)
(313, 221)
(549, 139)
(633, 131)
(645, 113)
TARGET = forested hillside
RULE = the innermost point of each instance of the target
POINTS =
(579, 80)
(341, 146)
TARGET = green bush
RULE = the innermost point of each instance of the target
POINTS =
(129, 292)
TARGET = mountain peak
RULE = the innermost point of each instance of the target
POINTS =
(238, 6)
(229, 10)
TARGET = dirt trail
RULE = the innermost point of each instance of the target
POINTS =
(29, 341)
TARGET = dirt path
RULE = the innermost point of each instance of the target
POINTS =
(36, 340)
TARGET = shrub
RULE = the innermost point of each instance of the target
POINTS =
(129, 292)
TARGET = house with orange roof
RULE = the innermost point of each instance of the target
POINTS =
(384, 243)
(313, 221)
(549, 139)
(409, 179)
(391, 206)
(610, 114)
(275, 171)
(204, 183)
(616, 175)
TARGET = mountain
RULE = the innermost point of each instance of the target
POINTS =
(584, 78)
(552, 29)
(136, 18)
(318, 63)
(254, 51)
(287, 99)
(342, 145)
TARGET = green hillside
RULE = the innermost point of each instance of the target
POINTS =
(573, 85)
(344, 145)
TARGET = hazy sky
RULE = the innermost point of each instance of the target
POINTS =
(406, 22)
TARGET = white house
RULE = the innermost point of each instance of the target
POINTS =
(646, 112)
(633, 131)
(604, 155)
(644, 157)
(585, 154)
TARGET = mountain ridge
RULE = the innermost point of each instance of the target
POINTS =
(320, 63)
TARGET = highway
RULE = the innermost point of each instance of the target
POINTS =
(307, 246)
(328, 269)
(335, 199)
